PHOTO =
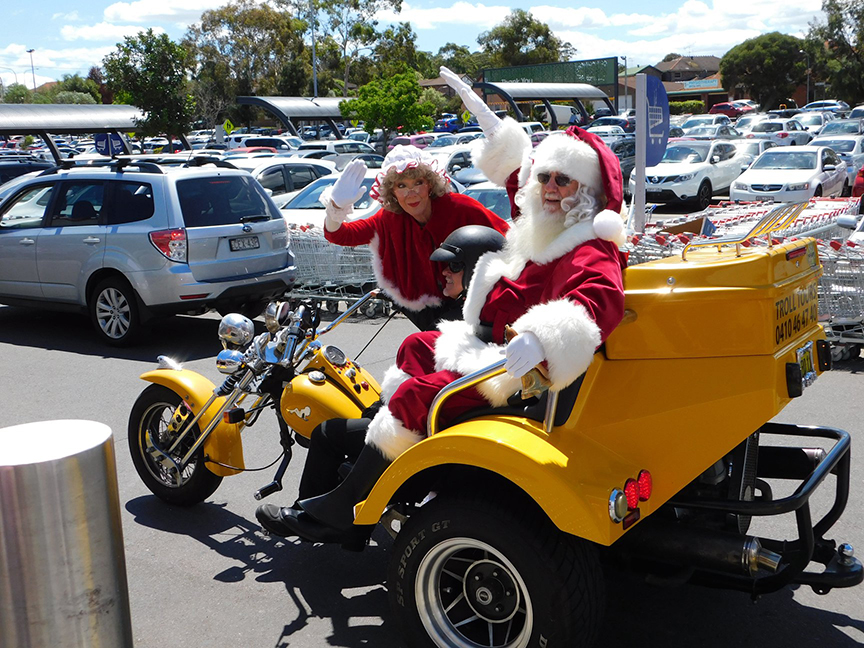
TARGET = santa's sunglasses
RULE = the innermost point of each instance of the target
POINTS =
(560, 180)
(456, 266)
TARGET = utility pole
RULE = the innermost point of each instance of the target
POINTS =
(32, 69)
(625, 80)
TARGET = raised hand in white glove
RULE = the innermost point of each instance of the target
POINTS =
(523, 353)
(348, 188)
(487, 119)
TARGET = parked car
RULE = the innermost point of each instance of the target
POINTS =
(729, 109)
(715, 131)
(750, 149)
(858, 186)
(337, 146)
(627, 123)
(844, 127)
(280, 143)
(625, 150)
(305, 208)
(783, 132)
(17, 165)
(746, 122)
(371, 160)
(850, 148)
(857, 112)
(704, 120)
(796, 174)
(538, 137)
(493, 197)
(814, 122)
(828, 104)
(280, 175)
(609, 133)
(691, 171)
(421, 140)
(157, 241)
(447, 124)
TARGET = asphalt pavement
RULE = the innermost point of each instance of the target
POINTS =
(207, 576)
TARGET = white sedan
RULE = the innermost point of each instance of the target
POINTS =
(785, 174)
(783, 132)
(691, 171)
(305, 210)
(850, 148)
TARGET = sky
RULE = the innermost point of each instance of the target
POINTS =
(70, 37)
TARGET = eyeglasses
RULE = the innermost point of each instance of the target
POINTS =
(456, 266)
(560, 180)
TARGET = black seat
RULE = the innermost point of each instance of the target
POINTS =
(83, 210)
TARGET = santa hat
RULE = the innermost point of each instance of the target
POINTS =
(584, 157)
(401, 158)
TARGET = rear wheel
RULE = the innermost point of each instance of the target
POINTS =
(151, 436)
(472, 571)
(114, 312)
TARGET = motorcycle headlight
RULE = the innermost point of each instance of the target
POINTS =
(229, 361)
(276, 315)
(798, 186)
(236, 331)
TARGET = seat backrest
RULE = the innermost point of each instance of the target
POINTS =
(83, 210)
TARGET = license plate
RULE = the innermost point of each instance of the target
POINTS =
(244, 243)
(808, 367)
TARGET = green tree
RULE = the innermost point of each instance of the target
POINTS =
(768, 68)
(77, 83)
(523, 40)
(395, 49)
(18, 94)
(151, 70)
(388, 103)
(836, 47)
(70, 97)
(671, 57)
(439, 102)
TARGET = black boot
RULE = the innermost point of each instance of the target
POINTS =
(336, 508)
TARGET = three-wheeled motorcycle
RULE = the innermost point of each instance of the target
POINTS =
(501, 518)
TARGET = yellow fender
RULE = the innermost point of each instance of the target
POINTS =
(224, 443)
(519, 449)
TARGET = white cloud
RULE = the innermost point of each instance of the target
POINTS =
(102, 32)
(184, 12)
(72, 16)
(481, 16)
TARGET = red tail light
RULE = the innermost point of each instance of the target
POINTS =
(750, 136)
(645, 484)
(171, 243)
(631, 492)
(782, 135)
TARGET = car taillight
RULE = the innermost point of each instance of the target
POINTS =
(171, 243)
(750, 135)
(782, 135)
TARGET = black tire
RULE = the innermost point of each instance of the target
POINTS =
(703, 195)
(847, 190)
(818, 192)
(148, 423)
(526, 581)
(250, 309)
(113, 308)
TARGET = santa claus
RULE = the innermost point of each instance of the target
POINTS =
(557, 282)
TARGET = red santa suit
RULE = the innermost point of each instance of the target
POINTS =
(401, 246)
(565, 287)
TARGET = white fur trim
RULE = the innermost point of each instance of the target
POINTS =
(498, 156)
(569, 337)
(383, 282)
(609, 226)
(393, 377)
(568, 155)
(458, 349)
(389, 436)
(518, 250)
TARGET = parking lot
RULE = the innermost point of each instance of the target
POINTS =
(208, 576)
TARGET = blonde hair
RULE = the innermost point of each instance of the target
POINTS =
(437, 185)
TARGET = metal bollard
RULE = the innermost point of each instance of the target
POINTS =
(62, 565)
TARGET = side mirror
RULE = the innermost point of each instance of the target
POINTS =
(847, 222)
(829, 167)
(715, 159)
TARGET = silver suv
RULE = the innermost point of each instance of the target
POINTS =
(131, 241)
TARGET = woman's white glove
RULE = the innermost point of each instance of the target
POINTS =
(523, 353)
(486, 119)
(348, 188)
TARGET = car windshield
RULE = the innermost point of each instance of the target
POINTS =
(809, 120)
(686, 154)
(786, 160)
(308, 198)
(702, 130)
(697, 121)
(750, 148)
(768, 127)
(839, 146)
(841, 127)
(442, 141)
(746, 121)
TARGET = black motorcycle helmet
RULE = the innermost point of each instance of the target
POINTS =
(467, 244)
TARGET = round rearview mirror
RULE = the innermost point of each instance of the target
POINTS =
(229, 361)
(276, 315)
(236, 331)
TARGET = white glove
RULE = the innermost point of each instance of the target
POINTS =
(347, 189)
(523, 353)
(487, 119)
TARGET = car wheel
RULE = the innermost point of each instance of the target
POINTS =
(114, 312)
(847, 190)
(703, 196)
(818, 192)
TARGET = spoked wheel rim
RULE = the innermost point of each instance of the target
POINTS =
(113, 313)
(470, 596)
(704, 196)
(153, 436)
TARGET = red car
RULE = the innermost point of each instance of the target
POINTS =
(858, 187)
(731, 109)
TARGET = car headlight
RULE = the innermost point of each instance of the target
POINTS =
(740, 186)
(684, 177)
(798, 186)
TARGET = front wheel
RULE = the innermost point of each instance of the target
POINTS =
(151, 433)
(471, 571)
(818, 192)
(703, 196)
